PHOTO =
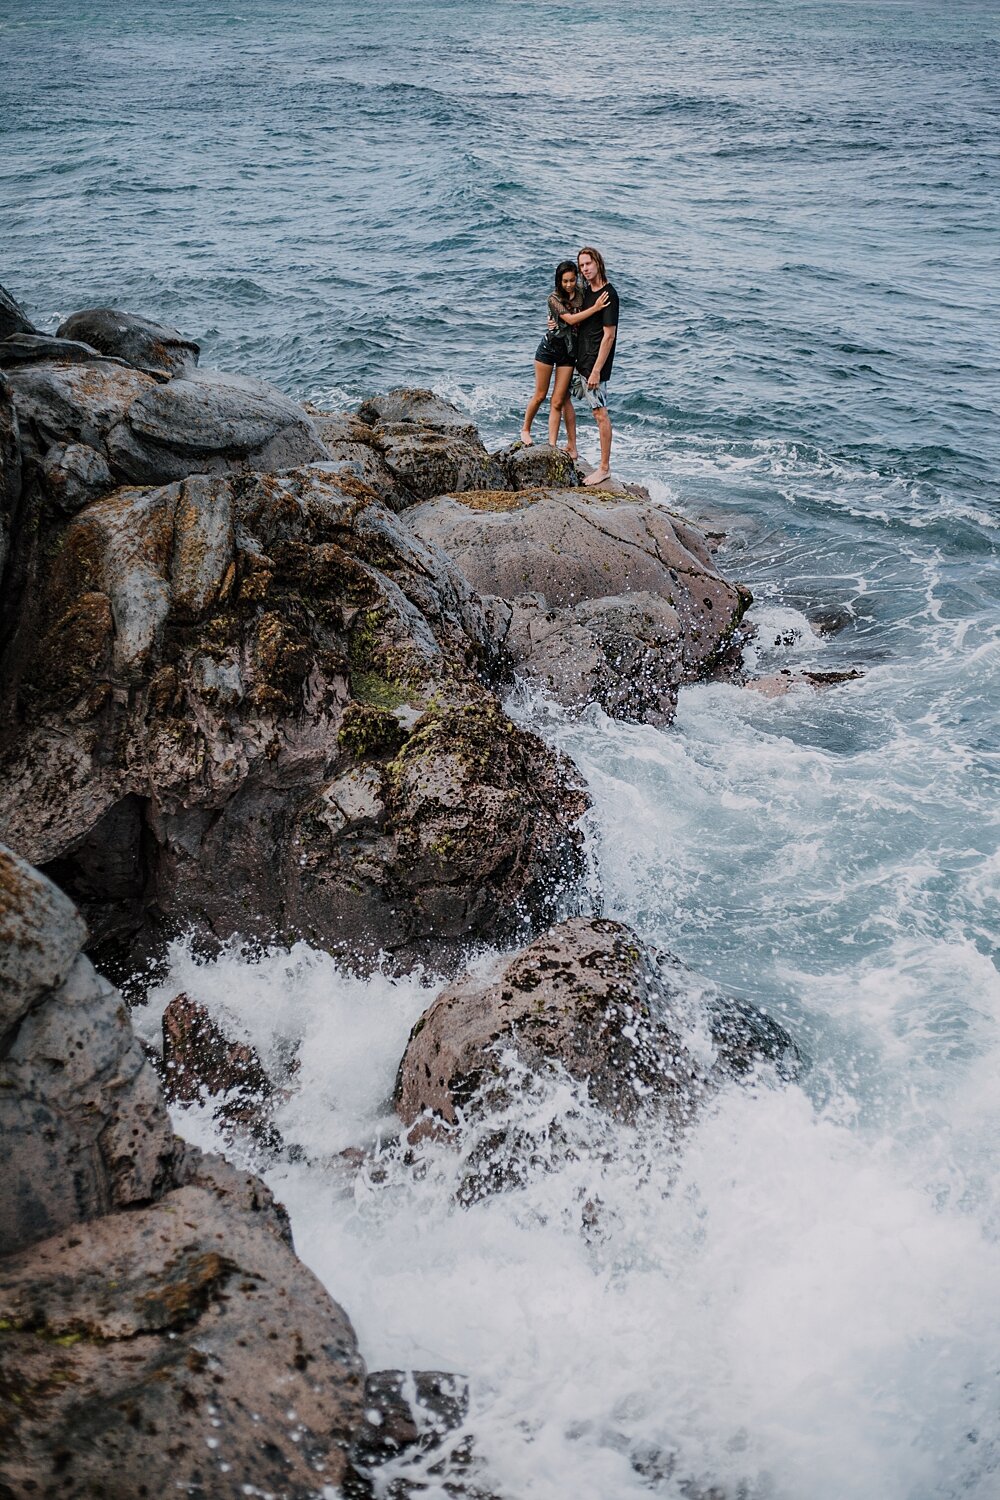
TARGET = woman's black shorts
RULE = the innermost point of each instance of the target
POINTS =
(552, 351)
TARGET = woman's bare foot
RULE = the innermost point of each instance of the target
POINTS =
(597, 477)
(574, 455)
(526, 438)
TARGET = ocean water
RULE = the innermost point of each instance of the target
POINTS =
(798, 203)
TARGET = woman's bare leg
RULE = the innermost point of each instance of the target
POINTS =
(560, 406)
(569, 413)
(543, 374)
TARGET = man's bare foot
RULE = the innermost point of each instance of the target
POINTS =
(597, 477)
(574, 455)
(526, 438)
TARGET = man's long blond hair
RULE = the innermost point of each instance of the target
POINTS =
(594, 255)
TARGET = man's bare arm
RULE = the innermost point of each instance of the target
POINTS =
(607, 339)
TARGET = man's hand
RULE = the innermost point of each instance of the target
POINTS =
(593, 379)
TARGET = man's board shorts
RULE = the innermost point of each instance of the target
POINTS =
(581, 391)
(553, 351)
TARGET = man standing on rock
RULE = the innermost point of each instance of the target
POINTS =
(595, 353)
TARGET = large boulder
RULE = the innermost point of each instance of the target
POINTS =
(84, 1126)
(538, 466)
(151, 433)
(156, 1329)
(612, 598)
(159, 350)
(256, 704)
(587, 997)
(429, 445)
(177, 1348)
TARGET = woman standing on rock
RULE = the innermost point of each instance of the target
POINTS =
(557, 352)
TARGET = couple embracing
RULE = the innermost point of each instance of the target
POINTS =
(580, 348)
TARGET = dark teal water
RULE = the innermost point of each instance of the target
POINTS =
(798, 203)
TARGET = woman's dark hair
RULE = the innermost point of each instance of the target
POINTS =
(561, 269)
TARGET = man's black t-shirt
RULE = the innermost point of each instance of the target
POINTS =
(591, 330)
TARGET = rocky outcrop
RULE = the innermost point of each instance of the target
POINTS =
(10, 474)
(589, 998)
(156, 1329)
(156, 349)
(255, 704)
(611, 599)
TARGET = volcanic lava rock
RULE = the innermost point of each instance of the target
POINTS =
(429, 445)
(158, 350)
(10, 472)
(256, 704)
(83, 1123)
(587, 997)
(199, 1059)
(612, 599)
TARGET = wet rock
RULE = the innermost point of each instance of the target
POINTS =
(256, 703)
(37, 348)
(158, 350)
(537, 467)
(620, 652)
(199, 1059)
(13, 318)
(613, 600)
(84, 1126)
(156, 1329)
(778, 684)
(589, 997)
(180, 1347)
(429, 445)
(407, 1410)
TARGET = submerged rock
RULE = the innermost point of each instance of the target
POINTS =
(587, 997)
(612, 599)
(158, 350)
